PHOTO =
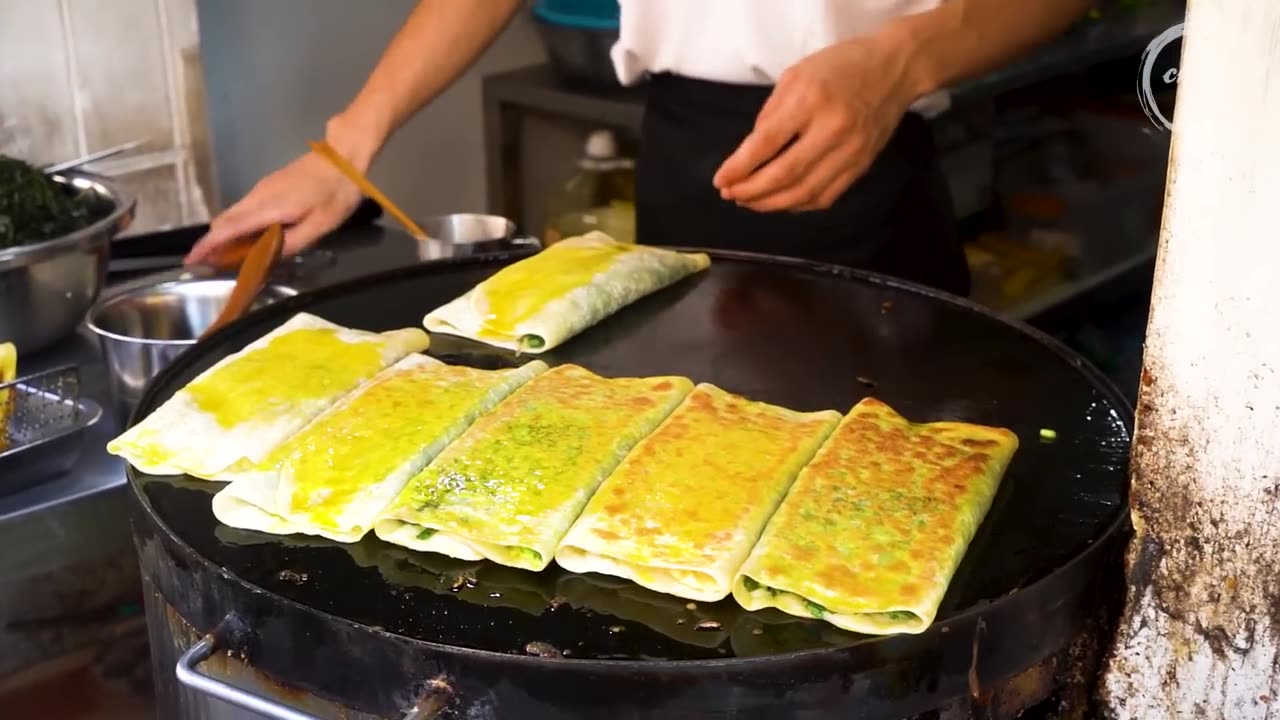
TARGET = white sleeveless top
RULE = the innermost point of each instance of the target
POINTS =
(746, 41)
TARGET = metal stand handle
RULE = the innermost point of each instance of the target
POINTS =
(194, 679)
(437, 696)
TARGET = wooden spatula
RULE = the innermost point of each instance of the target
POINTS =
(254, 271)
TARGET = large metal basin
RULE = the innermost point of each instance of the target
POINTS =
(46, 288)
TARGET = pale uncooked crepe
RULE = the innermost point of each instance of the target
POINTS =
(236, 412)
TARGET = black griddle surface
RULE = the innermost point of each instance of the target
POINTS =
(803, 336)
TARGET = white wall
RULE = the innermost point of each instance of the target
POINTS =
(77, 76)
(277, 69)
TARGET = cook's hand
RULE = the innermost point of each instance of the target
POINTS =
(833, 112)
(308, 197)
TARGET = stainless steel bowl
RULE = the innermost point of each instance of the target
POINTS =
(461, 234)
(46, 288)
(144, 328)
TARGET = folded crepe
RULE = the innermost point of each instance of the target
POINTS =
(682, 512)
(341, 471)
(874, 528)
(511, 486)
(541, 301)
(239, 410)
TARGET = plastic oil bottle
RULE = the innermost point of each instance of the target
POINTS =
(600, 196)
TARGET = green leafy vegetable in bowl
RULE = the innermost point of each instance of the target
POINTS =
(34, 208)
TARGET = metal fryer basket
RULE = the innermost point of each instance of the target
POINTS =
(46, 422)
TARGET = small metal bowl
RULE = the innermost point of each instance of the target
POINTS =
(46, 287)
(463, 234)
(144, 328)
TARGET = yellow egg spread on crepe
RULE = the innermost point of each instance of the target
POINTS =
(337, 475)
(682, 511)
(874, 528)
(511, 486)
(541, 301)
(233, 414)
(8, 373)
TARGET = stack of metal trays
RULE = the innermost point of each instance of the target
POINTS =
(45, 429)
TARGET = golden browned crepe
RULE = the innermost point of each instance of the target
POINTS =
(680, 514)
(873, 529)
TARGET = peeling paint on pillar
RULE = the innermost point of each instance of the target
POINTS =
(1200, 636)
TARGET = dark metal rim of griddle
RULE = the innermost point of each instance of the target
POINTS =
(111, 221)
(1046, 585)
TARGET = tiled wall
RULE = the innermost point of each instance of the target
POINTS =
(78, 76)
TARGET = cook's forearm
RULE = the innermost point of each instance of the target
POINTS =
(438, 42)
(962, 39)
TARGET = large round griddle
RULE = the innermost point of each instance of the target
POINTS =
(805, 336)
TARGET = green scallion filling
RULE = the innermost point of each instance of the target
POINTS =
(527, 554)
(899, 615)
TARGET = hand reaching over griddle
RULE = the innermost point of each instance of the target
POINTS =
(308, 196)
(435, 45)
(827, 119)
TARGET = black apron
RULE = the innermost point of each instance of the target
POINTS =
(897, 219)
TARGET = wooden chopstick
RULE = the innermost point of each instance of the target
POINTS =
(326, 151)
